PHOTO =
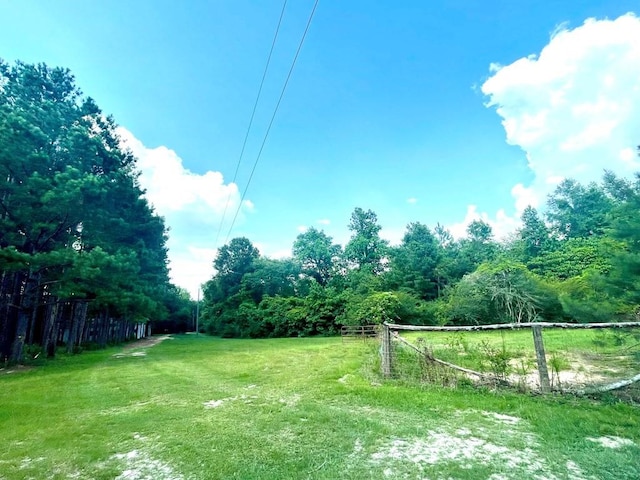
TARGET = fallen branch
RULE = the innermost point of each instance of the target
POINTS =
(462, 369)
(610, 386)
(442, 362)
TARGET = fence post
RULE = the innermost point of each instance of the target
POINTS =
(541, 359)
(385, 350)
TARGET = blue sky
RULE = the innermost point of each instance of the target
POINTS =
(439, 111)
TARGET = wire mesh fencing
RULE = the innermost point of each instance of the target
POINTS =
(545, 357)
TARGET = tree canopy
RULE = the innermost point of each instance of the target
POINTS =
(578, 262)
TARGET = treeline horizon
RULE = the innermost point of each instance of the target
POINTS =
(580, 262)
(83, 256)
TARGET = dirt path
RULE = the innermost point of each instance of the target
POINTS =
(16, 368)
(138, 348)
(146, 342)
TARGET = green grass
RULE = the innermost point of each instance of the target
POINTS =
(290, 409)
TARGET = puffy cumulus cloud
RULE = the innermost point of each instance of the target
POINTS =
(191, 266)
(392, 235)
(575, 108)
(502, 225)
(170, 187)
(280, 254)
(525, 196)
(273, 251)
(193, 206)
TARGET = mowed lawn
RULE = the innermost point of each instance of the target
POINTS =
(311, 408)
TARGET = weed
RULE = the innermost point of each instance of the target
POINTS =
(557, 363)
(523, 366)
(498, 358)
(458, 341)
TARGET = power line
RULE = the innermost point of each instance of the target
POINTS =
(253, 113)
(264, 140)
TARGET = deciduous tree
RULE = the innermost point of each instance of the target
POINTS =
(317, 254)
(365, 250)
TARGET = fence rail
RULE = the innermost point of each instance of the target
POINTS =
(508, 326)
(389, 332)
(359, 332)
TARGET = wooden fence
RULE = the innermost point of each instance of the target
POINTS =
(390, 333)
(359, 332)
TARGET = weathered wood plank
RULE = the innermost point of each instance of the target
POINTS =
(541, 359)
(386, 351)
(509, 326)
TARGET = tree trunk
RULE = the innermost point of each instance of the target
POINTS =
(49, 333)
(83, 323)
(7, 314)
(73, 328)
(27, 302)
(123, 330)
(19, 337)
(103, 328)
(77, 323)
(5, 334)
(89, 327)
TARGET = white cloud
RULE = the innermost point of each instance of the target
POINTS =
(554, 180)
(524, 196)
(502, 225)
(170, 187)
(324, 221)
(302, 228)
(191, 267)
(393, 235)
(412, 200)
(193, 206)
(574, 108)
(280, 254)
(273, 252)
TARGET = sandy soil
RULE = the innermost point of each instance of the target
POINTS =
(146, 342)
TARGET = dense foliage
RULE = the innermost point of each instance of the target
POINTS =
(578, 263)
(82, 253)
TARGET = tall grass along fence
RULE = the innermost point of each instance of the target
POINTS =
(540, 356)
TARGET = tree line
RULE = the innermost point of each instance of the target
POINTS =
(83, 257)
(578, 262)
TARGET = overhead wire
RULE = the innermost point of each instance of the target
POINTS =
(253, 113)
(273, 116)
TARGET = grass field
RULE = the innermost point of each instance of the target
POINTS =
(205, 408)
